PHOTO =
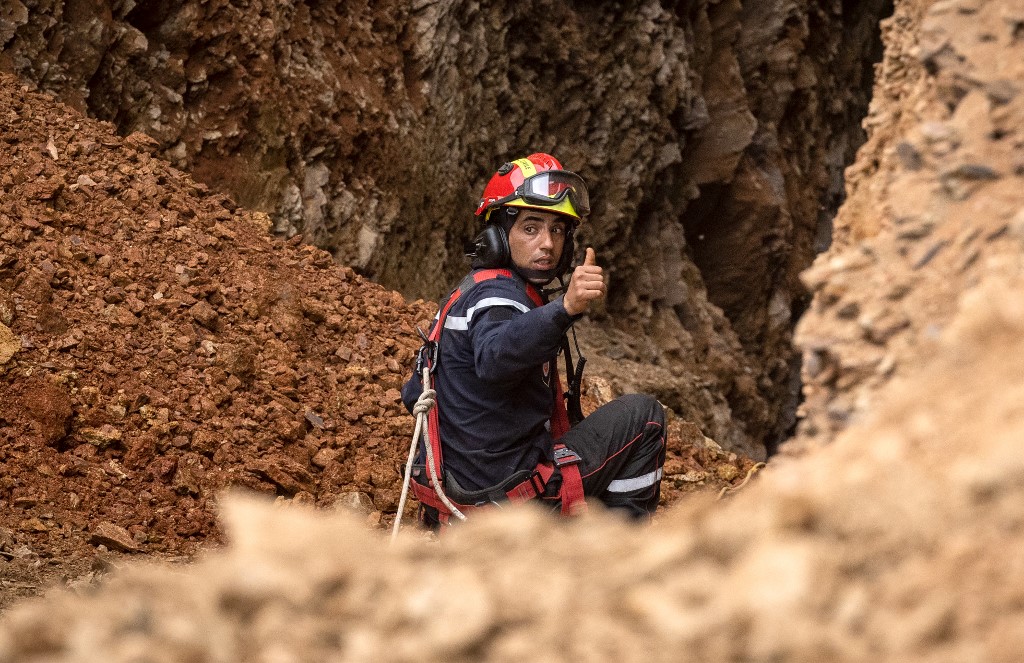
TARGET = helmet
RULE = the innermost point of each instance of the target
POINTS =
(537, 182)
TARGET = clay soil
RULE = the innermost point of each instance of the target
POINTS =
(157, 346)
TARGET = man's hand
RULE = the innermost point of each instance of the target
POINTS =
(586, 286)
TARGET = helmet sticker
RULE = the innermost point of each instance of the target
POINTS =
(525, 165)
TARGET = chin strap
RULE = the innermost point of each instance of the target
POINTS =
(562, 287)
(537, 277)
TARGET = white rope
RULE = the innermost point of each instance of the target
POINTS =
(432, 471)
(408, 468)
(423, 404)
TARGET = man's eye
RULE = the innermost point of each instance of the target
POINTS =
(530, 229)
(557, 230)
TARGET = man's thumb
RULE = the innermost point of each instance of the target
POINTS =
(591, 257)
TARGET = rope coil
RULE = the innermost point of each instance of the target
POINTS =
(421, 408)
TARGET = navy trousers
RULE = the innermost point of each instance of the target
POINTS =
(622, 447)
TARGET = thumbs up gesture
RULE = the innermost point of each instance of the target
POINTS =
(586, 286)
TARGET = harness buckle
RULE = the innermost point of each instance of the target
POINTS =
(565, 456)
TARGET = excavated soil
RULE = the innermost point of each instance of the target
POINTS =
(158, 346)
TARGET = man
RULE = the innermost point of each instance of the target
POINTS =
(498, 400)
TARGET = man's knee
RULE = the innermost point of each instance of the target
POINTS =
(644, 407)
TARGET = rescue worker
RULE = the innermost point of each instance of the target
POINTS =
(497, 394)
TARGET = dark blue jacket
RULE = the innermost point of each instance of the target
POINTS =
(494, 385)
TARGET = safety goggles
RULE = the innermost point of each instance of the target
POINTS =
(550, 189)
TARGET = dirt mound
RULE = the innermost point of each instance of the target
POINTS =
(163, 346)
(156, 345)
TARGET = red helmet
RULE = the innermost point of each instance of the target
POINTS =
(537, 182)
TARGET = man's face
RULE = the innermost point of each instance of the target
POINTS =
(536, 240)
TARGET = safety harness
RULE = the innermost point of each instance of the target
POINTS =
(441, 492)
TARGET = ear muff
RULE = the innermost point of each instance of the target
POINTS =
(491, 249)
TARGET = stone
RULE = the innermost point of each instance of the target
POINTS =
(355, 501)
(35, 525)
(314, 419)
(189, 475)
(114, 537)
(693, 476)
(6, 310)
(285, 473)
(103, 437)
(205, 315)
(7, 540)
(325, 457)
(9, 344)
(726, 472)
(47, 402)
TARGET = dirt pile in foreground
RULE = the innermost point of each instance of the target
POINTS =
(156, 345)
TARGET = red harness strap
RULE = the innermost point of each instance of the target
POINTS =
(566, 460)
(433, 423)
(570, 493)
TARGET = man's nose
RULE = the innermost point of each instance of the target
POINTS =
(547, 239)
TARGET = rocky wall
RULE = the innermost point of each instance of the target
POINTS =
(933, 207)
(714, 135)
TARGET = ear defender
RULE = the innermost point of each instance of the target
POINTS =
(491, 249)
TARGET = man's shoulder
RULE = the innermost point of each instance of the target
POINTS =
(486, 283)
